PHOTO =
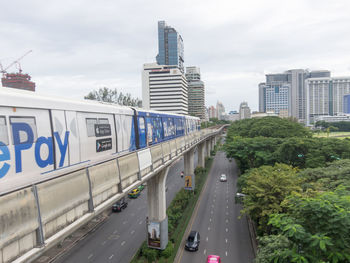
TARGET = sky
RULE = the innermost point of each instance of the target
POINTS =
(78, 46)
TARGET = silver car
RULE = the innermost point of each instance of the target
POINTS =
(223, 178)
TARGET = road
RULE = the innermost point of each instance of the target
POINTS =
(216, 219)
(121, 235)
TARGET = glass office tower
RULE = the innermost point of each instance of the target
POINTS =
(170, 46)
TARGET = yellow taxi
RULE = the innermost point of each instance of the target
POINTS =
(134, 193)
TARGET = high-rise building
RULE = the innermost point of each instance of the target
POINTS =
(262, 97)
(212, 112)
(220, 109)
(195, 92)
(164, 88)
(325, 96)
(347, 104)
(285, 93)
(170, 46)
(244, 111)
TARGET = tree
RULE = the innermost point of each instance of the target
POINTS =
(109, 95)
(265, 189)
(267, 127)
(317, 226)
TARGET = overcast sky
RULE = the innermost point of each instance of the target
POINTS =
(82, 45)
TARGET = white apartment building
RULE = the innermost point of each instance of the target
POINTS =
(164, 88)
(325, 97)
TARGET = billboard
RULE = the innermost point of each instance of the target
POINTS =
(153, 229)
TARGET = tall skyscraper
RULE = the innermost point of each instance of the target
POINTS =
(325, 96)
(164, 88)
(195, 93)
(170, 46)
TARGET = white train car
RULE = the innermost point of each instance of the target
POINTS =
(39, 135)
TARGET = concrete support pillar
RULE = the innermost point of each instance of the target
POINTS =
(189, 162)
(157, 218)
(208, 143)
(201, 154)
(189, 170)
(212, 143)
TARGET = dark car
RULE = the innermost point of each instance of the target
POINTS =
(118, 206)
(192, 242)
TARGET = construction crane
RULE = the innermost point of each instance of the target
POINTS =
(3, 70)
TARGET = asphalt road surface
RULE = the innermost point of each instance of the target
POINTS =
(216, 219)
(119, 238)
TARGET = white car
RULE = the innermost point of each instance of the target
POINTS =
(223, 178)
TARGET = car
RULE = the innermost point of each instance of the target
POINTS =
(141, 187)
(192, 242)
(134, 193)
(119, 205)
(213, 259)
(223, 178)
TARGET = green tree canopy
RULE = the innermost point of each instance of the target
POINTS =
(112, 96)
(268, 127)
(265, 189)
(317, 227)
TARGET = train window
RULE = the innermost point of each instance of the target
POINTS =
(23, 136)
(3, 131)
(90, 127)
(103, 121)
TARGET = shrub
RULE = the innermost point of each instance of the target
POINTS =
(168, 251)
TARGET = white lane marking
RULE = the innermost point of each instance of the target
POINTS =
(123, 243)
(91, 255)
(210, 219)
(226, 253)
(205, 251)
(209, 228)
(226, 230)
(140, 222)
(104, 242)
(124, 222)
(227, 201)
(111, 256)
(226, 220)
(132, 232)
(115, 232)
(226, 240)
(207, 239)
(227, 207)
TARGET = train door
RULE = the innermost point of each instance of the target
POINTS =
(142, 132)
(97, 135)
(61, 138)
(74, 140)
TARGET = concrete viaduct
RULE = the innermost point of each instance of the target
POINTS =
(36, 217)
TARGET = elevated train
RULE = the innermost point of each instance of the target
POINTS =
(40, 135)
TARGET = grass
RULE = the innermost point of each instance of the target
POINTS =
(340, 135)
